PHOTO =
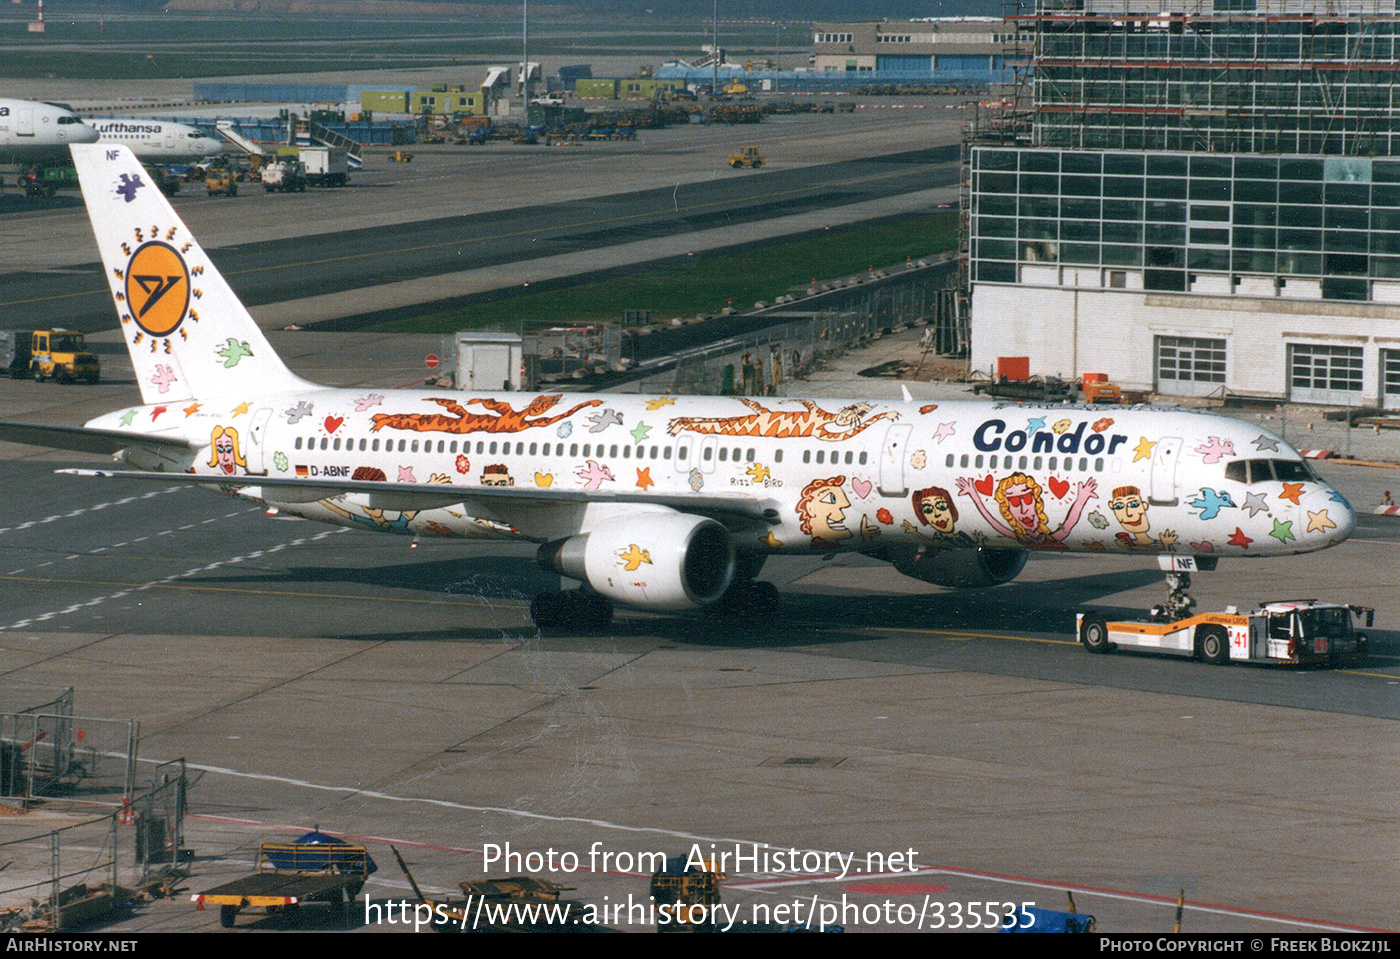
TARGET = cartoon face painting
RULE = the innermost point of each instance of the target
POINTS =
(496, 474)
(1021, 502)
(934, 507)
(822, 510)
(1130, 509)
(226, 454)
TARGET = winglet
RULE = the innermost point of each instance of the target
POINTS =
(188, 334)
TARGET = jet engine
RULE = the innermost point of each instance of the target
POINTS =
(667, 561)
(961, 568)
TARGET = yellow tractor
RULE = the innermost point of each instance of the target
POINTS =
(221, 183)
(746, 157)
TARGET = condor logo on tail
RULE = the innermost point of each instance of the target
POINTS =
(158, 288)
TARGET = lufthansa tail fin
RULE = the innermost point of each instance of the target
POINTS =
(189, 336)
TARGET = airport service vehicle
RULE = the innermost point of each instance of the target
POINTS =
(326, 166)
(284, 176)
(1298, 632)
(14, 352)
(315, 868)
(221, 182)
(658, 502)
(62, 355)
(746, 157)
(32, 132)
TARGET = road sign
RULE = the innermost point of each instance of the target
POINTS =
(431, 361)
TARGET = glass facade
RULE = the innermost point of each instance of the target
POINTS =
(1173, 216)
(1251, 76)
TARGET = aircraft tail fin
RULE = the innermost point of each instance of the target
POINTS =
(189, 336)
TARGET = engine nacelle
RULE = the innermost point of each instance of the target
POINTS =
(961, 568)
(665, 561)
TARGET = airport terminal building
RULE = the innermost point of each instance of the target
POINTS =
(1201, 199)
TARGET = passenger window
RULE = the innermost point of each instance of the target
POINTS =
(375, 446)
(627, 452)
(442, 444)
(708, 454)
(948, 463)
(806, 456)
(977, 463)
(362, 444)
(298, 442)
(777, 456)
(325, 442)
(1036, 464)
(415, 446)
(1022, 464)
(573, 449)
(963, 461)
(723, 453)
(863, 458)
(748, 457)
(452, 447)
(849, 457)
(1054, 463)
(821, 456)
(403, 445)
(533, 448)
(336, 444)
(493, 449)
(612, 450)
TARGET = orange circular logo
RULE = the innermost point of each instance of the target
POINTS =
(157, 288)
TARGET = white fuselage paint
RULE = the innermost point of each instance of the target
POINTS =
(835, 477)
(33, 132)
(156, 140)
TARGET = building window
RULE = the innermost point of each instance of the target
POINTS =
(1190, 365)
(1324, 374)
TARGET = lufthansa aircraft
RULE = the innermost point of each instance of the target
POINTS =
(32, 132)
(663, 502)
(157, 141)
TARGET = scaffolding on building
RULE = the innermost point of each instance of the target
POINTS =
(1233, 76)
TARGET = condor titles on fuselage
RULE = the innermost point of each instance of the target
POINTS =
(663, 502)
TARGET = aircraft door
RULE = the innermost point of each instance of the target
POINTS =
(24, 121)
(257, 442)
(1164, 462)
(892, 460)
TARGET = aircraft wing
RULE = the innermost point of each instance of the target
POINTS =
(85, 439)
(418, 496)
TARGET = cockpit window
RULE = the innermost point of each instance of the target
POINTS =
(1263, 471)
(1292, 472)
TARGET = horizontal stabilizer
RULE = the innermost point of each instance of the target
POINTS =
(84, 439)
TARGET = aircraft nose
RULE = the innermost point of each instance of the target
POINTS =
(1328, 513)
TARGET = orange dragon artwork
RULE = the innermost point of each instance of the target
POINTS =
(502, 418)
(811, 421)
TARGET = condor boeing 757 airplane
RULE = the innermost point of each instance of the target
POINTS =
(663, 502)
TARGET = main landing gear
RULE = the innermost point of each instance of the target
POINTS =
(571, 609)
(748, 599)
